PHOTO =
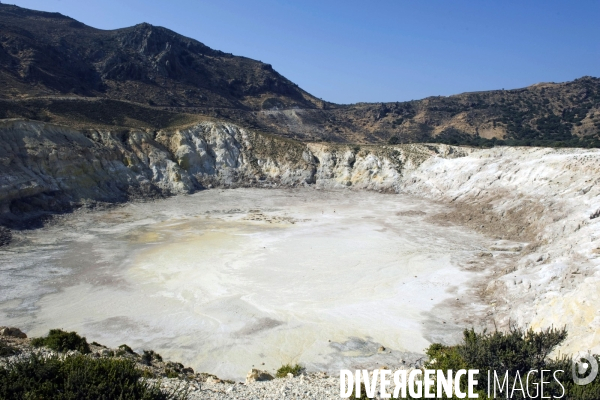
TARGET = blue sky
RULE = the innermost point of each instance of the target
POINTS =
(351, 51)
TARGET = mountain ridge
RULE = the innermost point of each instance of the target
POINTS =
(143, 63)
(47, 57)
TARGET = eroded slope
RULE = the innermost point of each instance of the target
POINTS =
(545, 199)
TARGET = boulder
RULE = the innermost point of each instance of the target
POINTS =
(12, 332)
(256, 375)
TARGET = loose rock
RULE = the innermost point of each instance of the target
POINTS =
(256, 375)
(12, 332)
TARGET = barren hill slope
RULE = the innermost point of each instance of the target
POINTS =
(45, 54)
(56, 69)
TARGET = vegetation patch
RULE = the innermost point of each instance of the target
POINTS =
(62, 341)
(289, 369)
(94, 113)
(457, 138)
(149, 356)
(124, 349)
(516, 351)
(363, 393)
(75, 377)
(170, 373)
(6, 349)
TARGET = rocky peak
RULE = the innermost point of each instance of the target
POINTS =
(153, 40)
(50, 54)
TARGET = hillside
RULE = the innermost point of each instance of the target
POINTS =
(48, 54)
(56, 69)
(542, 113)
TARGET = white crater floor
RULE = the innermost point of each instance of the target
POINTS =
(224, 280)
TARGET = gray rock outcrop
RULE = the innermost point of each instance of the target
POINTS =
(12, 332)
(256, 375)
(48, 168)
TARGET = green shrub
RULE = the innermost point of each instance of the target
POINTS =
(444, 357)
(62, 341)
(124, 349)
(512, 351)
(7, 350)
(75, 377)
(394, 140)
(169, 373)
(515, 350)
(363, 393)
(147, 373)
(149, 356)
(288, 369)
(146, 358)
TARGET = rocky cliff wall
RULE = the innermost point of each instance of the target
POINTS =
(548, 200)
(545, 200)
(45, 167)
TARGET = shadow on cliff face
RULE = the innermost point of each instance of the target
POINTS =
(5, 236)
(36, 211)
(48, 169)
